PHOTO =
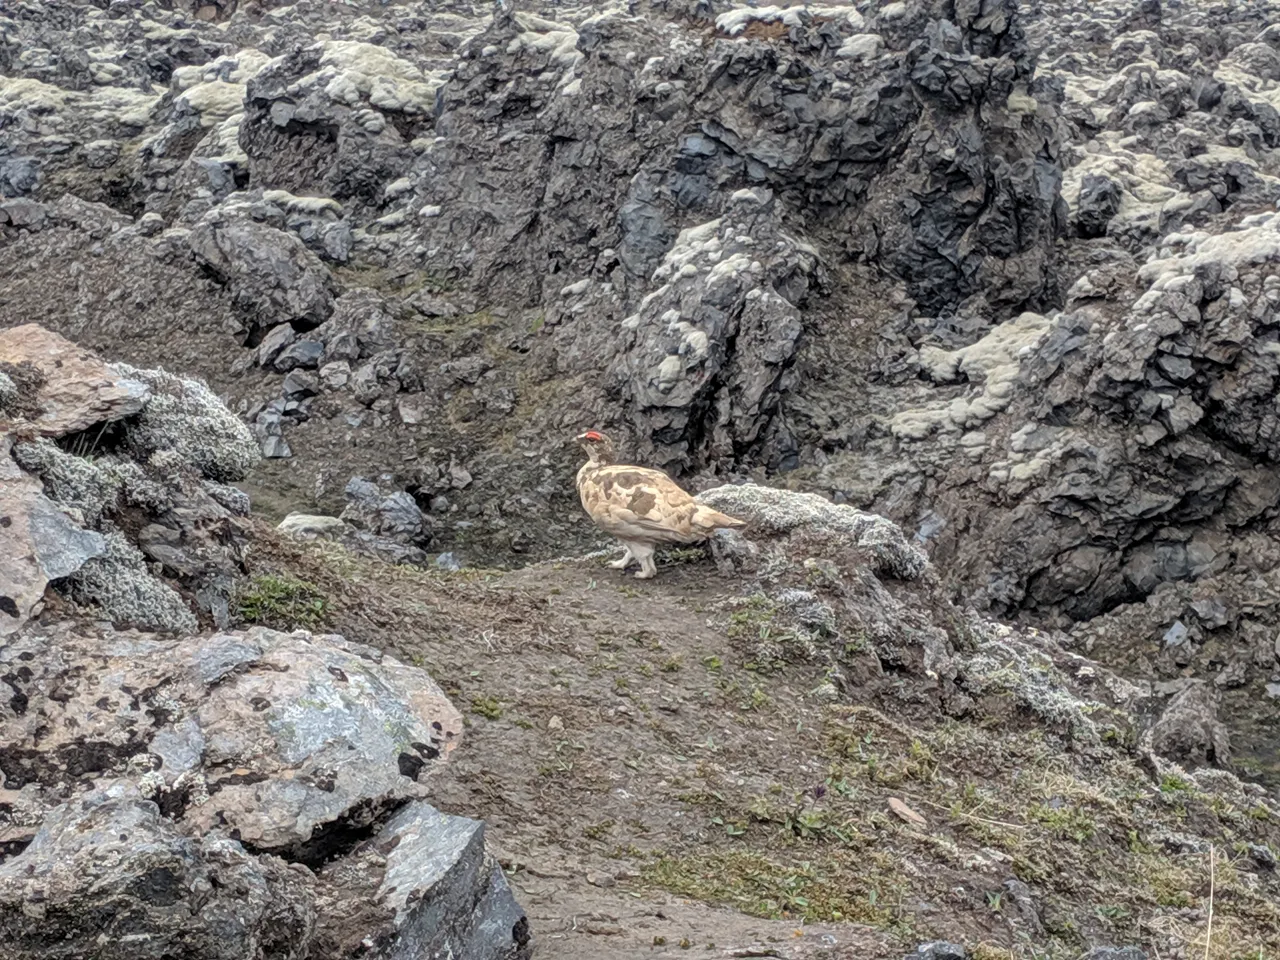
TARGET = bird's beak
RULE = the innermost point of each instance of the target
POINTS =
(580, 437)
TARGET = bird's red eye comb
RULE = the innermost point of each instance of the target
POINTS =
(593, 435)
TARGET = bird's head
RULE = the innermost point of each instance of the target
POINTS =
(599, 448)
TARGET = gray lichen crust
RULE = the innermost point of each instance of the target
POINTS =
(185, 416)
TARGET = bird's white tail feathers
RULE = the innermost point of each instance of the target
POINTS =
(708, 519)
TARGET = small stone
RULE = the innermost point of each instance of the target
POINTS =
(275, 448)
(1176, 635)
(412, 410)
(1212, 613)
(459, 477)
(149, 224)
(335, 375)
(299, 384)
(1232, 676)
(905, 813)
(305, 526)
(276, 340)
(939, 950)
(304, 353)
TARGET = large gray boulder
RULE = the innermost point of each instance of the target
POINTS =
(109, 877)
(271, 276)
(266, 782)
(282, 740)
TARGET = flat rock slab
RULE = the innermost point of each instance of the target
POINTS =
(78, 390)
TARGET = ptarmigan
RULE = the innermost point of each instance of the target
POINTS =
(641, 507)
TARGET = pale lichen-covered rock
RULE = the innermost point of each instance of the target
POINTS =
(304, 526)
(38, 543)
(91, 486)
(1189, 732)
(129, 440)
(184, 416)
(991, 364)
(211, 760)
(773, 511)
(282, 738)
(117, 585)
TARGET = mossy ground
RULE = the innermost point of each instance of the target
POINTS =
(281, 602)
(634, 760)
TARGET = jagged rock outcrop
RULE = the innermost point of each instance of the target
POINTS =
(367, 152)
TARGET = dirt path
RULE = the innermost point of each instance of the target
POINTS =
(642, 751)
(589, 734)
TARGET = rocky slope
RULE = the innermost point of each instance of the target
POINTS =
(798, 727)
(170, 790)
(1004, 273)
(1001, 273)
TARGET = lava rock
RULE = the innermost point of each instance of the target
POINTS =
(271, 276)
(107, 876)
(1189, 731)
(1098, 202)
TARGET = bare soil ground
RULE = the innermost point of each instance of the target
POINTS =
(653, 791)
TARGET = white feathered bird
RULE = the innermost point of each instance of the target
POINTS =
(641, 507)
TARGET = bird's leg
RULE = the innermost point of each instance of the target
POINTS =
(625, 560)
(644, 554)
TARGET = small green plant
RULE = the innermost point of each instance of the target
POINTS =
(488, 707)
(756, 699)
(1064, 822)
(1170, 783)
(1112, 912)
(282, 603)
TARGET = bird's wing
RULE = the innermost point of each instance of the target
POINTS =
(638, 503)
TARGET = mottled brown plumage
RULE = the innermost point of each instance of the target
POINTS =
(641, 507)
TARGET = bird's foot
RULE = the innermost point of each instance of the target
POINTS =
(621, 563)
(646, 574)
